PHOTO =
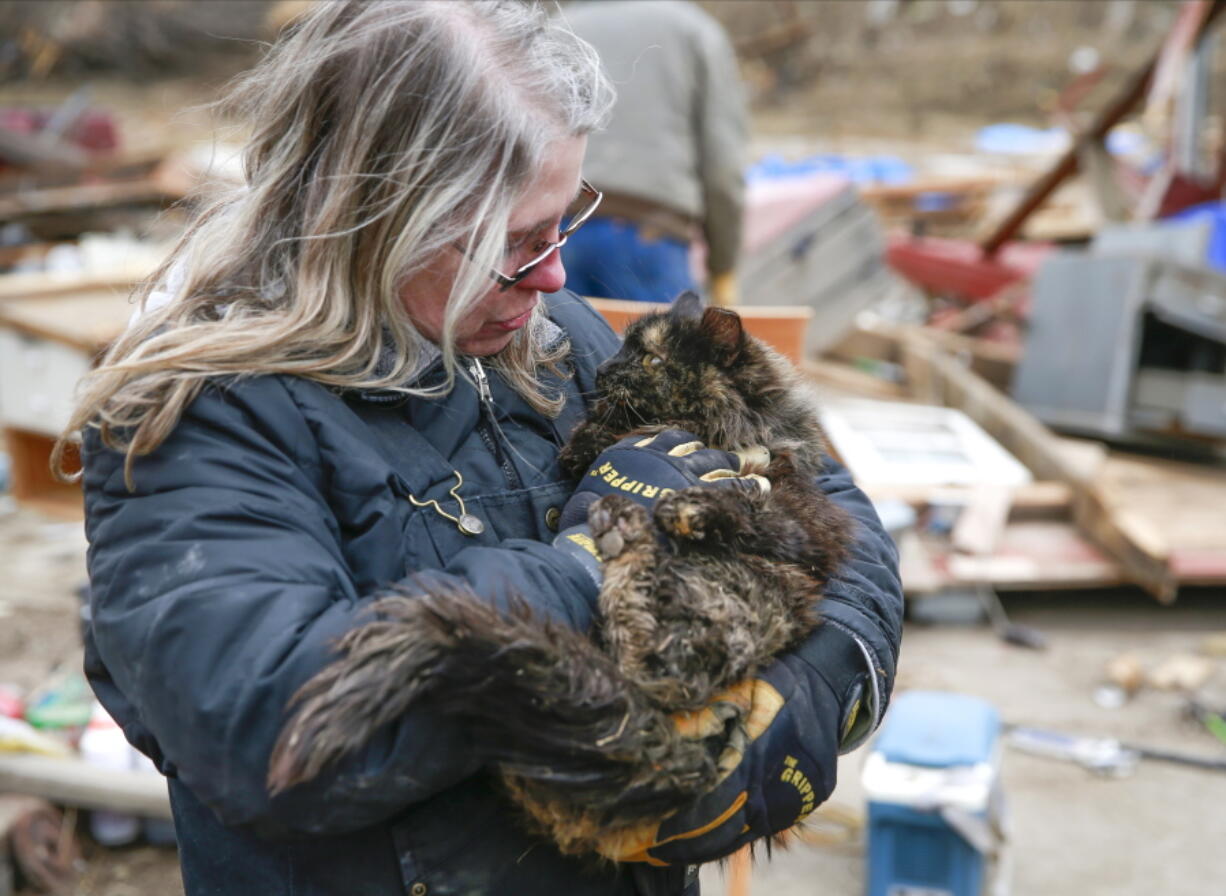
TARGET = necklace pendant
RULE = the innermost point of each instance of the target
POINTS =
(470, 525)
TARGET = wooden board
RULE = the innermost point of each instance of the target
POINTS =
(41, 283)
(1034, 555)
(1034, 500)
(86, 319)
(1176, 507)
(31, 481)
(881, 340)
(75, 782)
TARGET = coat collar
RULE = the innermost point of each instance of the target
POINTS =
(545, 333)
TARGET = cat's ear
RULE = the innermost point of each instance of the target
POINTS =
(687, 306)
(723, 328)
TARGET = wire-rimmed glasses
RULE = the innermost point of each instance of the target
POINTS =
(577, 213)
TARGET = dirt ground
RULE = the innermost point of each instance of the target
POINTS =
(926, 82)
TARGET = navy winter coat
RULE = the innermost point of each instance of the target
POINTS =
(256, 536)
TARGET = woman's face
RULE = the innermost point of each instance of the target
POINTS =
(493, 321)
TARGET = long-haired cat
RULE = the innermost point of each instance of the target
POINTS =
(701, 592)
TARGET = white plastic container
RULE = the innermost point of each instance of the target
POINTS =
(104, 746)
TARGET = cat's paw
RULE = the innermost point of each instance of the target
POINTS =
(618, 523)
(700, 514)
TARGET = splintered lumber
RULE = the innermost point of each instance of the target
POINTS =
(79, 198)
(1175, 505)
(882, 340)
(1032, 500)
(851, 379)
(84, 319)
(41, 153)
(980, 526)
(1068, 164)
(75, 782)
(1135, 544)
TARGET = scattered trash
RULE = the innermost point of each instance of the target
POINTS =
(1126, 672)
(63, 702)
(42, 853)
(1214, 720)
(1183, 672)
(1102, 755)
(1109, 696)
(18, 736)
(1008, 631)
(104, 746)
(12, 703)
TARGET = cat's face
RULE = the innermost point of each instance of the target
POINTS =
(676, 365)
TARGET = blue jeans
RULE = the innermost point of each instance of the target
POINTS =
(608, 258)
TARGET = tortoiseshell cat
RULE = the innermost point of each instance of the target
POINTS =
(698, 595)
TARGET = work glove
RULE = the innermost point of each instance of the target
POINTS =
(645, 469)
(775, 766)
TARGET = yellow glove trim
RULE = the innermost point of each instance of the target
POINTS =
(763, 484)
(758, 702)
(586, 542)
(633, 845)
(765, 706)
(685, 448)
(706, 722)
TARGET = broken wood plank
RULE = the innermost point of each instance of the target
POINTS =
(87, 320)
(75, 782)
(1032, 500)
(980, 524)
(79, 198)
(943, 379)
(1039, 555)
(1070, 161)
(849, 378)
(882, 340)
(29, 284)
(1031, 555)
(42, 153)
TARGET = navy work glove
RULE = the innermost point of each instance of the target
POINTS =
(775, 768)
(645, 469)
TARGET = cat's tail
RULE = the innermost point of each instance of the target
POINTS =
(569, 731)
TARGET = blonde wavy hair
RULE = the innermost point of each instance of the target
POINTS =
(383, 132)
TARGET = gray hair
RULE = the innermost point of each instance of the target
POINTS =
(382, 133)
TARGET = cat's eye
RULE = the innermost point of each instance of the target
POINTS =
(650, 361)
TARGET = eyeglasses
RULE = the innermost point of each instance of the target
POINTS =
(581, 208)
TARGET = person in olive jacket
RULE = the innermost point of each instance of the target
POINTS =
(355, 371)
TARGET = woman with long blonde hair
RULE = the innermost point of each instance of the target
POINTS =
(355, 372)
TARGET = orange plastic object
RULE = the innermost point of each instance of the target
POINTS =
(780, 326)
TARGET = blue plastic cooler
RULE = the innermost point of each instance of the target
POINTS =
(932, 782)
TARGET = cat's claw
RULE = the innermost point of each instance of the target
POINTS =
(617, 522)
(694, 515)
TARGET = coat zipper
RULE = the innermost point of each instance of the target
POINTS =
(488, 428)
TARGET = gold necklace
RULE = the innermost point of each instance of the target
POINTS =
(465, 522)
